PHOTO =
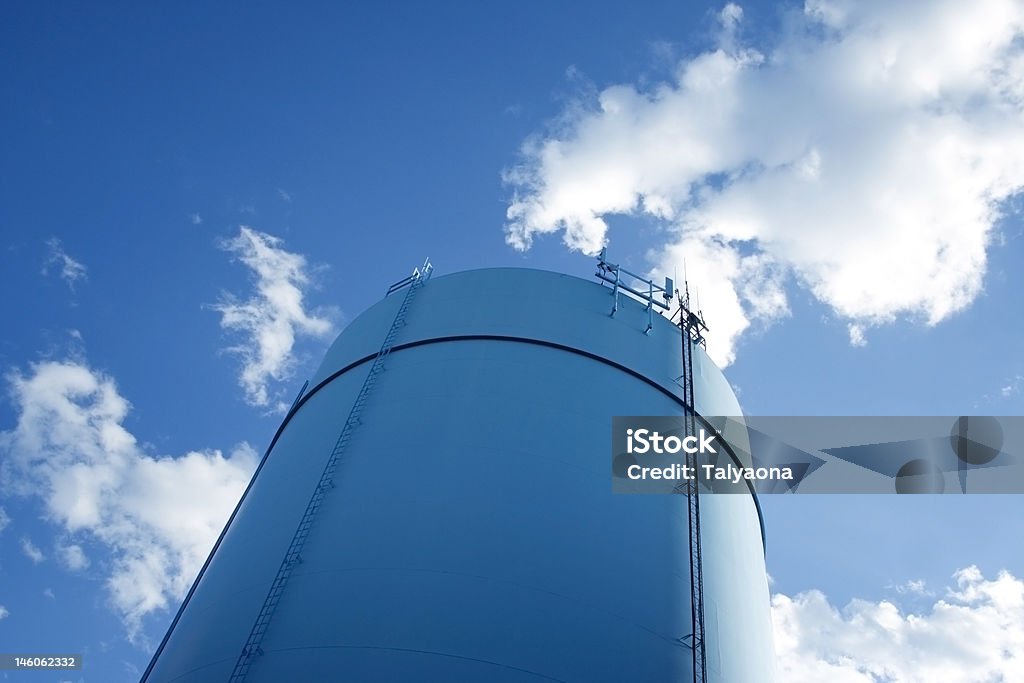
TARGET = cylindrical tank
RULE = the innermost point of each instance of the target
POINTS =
(472, 533)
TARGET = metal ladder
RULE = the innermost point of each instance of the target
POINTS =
(293, 556)
(692, 330)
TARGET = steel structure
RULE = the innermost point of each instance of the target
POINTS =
(451, 518)
(692, 329)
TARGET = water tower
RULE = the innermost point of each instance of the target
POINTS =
(437, 506)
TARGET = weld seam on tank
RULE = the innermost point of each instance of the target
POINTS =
(522, 340)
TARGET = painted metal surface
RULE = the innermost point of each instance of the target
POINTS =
(472, 534)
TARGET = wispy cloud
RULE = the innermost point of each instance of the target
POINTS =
(913, 587)
(1012, 386)
(864, 155)
(4, 612)
(273, 317)
(974, 634)
(158, 515)
(196, 219)
(72, 556)
(58, 260)
(31, 551)
(5, 519)
(285, 195)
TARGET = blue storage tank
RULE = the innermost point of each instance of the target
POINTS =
(471, 533)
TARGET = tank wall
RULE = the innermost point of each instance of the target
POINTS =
(473, 534)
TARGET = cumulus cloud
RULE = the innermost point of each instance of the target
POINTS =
(67, 268)
(31, 551)
(272, 318)
(974, 634)
(158, 515)
(865, 155)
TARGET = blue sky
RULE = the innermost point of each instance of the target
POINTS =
(842, 180)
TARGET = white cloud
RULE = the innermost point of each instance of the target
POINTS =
(729, 18)
(31, 551)
(158, 515)
(4, 612)
(975, 634)
(273, 317)
(865, 156)
(913, 587)
(69, 270)
(196, 219)
(5, 519)
(857, 336)
(285, 195)
(731, 15)
(73, 557)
